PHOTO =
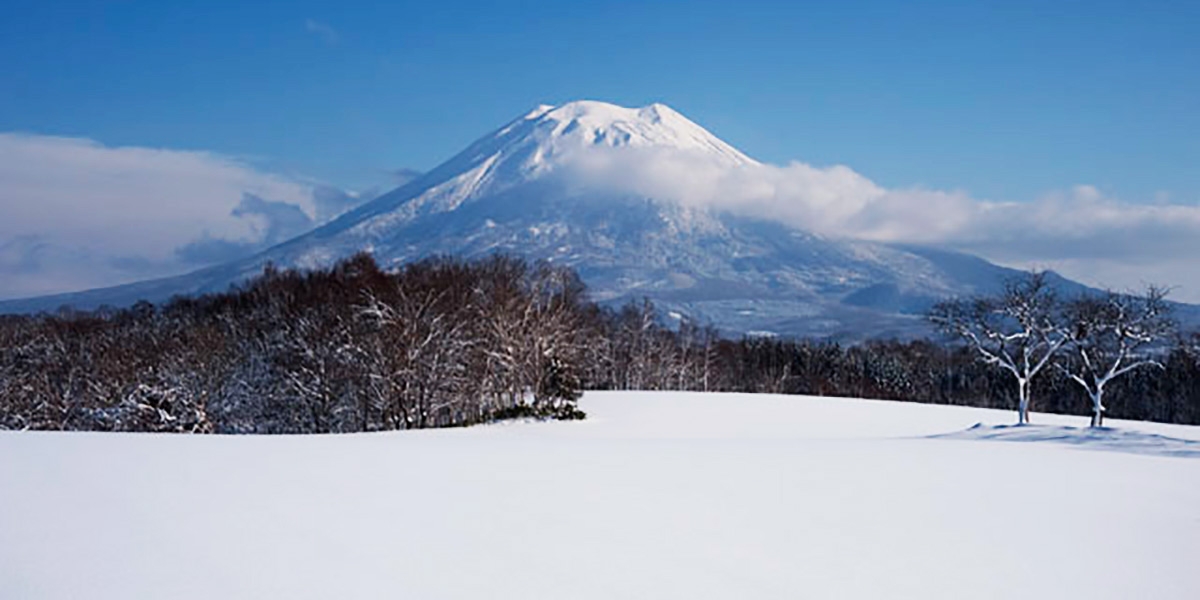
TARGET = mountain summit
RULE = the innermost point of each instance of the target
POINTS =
(540, 145)
(549, 132)
(554, 184)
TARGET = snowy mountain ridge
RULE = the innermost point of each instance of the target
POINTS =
(553, 185)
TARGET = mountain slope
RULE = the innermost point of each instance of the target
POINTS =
(538, 187)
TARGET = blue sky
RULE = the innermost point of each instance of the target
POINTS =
(230, 112)
(1004, 99)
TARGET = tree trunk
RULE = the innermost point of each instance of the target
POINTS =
(1098, 408)
(1023, 402)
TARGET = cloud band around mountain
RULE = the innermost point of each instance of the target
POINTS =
(76, 214)
(1086, 234)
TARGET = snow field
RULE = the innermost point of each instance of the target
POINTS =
(656, 495)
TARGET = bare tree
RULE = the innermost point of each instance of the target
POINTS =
(637, 328)
(1110, 335)
(425, 357)
(311, 354)
(556, 337)
(1017, 330)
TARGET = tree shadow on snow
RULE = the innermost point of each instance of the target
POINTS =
(1098, 438)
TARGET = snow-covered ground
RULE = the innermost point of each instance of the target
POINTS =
(656, 495)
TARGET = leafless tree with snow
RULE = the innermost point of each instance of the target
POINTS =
(1017, 330)
(1110, 336)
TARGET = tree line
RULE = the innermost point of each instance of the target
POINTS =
(440, 343)
(923, 371)
(446, 342)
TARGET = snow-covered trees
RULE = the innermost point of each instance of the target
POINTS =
(444, 342)
(558, 338)
(1092, 339)
(441, 342)
(1018, 330)
(1189, 346)
(1110, 337)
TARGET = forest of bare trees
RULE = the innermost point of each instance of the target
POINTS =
(445, 342)
(441, 343)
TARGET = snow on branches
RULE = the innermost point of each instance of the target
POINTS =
(1111, 335)
(1093, 339)
(1017, 330)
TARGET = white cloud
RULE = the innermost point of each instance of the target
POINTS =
(76, 214)
(1081, 232)
(328, 34)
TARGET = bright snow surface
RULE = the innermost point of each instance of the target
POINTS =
(656, 495)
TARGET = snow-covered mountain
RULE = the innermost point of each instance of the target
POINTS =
(547, 186)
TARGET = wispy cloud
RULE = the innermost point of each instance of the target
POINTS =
(328, 34)
(403, 175)
(76, 214)
(272, 222)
